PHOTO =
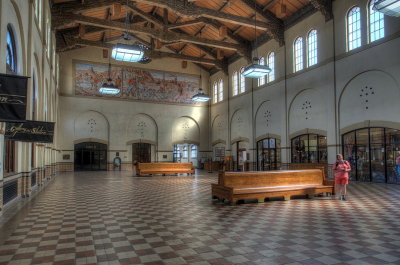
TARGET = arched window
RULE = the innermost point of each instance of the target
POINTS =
(242, 87)
(235, 83)
(193, 151)
(353, 28)
(220, 90)
(185, 151)
(309, 148)
(261, 80)
(312, 48)
(215, 89)
(271, 64)
(11, 52)
(298, 54)
(376, 24)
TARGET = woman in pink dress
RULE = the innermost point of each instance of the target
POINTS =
(341, 169)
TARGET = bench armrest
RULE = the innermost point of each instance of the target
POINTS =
(329, 182)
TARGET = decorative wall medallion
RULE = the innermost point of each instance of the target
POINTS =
(92, 125)
(365, 95)
(267, 117)
(185, 127)
(307, 109)
(141, 126)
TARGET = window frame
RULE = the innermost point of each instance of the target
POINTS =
(220, 90)
(261, 80)
(271, 75)
(312, 48)
(215, 92)
(193, 150)
(11, 50)
(235, 83)
(372, 13)
(352, 42)
(318, 148)
(242, 81)
(298, 58)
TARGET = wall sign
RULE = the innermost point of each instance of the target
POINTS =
(13, 89)
(30, 131)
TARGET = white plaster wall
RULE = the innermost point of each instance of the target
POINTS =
(185, 130)
(91, 125)
(142, 127)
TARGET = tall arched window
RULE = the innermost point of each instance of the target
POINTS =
(242, 87)
(235, 83)
(215, 89)
(298, 54)
(220, 90)
(271, 64)
(376, 24)
(11, 52)
(312, 48)
(261, 80)
(353, 28)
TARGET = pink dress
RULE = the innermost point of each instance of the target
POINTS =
(341, 177)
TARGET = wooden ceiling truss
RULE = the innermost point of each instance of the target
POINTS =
(206, 32)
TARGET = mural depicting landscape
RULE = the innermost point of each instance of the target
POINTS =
(135, 83)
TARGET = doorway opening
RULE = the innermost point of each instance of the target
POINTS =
(141, 152)
(90, 156)
(185, 153)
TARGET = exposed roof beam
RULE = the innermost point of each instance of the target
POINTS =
(325, 7)
(185, 24)
(186, 9)
(71, 42)
(167, 36)
(87, 5)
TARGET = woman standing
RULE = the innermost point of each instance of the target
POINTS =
(341, 169)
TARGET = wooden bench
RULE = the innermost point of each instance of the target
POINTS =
(299, 166)
(164, 168)
(235, 186)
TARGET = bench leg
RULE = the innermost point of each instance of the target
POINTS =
(261, 200)
(287, 197)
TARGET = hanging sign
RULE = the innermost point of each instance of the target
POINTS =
(13, 89)
(30, 131)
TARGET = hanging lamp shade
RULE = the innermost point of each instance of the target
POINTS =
(200, 97)
(108, 88)
(256, 70)
(388, 7)
(127, 53)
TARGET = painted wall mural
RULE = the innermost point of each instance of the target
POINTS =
(136, 84)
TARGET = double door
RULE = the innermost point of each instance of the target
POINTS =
(141, 152)
(90, 156)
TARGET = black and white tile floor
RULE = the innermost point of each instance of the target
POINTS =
(114, 218)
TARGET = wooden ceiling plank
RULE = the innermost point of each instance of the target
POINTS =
(166, 36)
(185, 24)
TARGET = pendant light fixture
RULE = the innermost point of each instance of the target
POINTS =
(108, 88)
(388, 7)
(126, 52)
(200, 96)
(256, 70)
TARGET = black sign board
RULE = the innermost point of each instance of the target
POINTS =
(13, 89)
(30, 131)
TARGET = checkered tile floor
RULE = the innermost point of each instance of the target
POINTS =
(114, 218)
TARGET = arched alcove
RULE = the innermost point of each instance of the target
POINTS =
(90, 125)
(185, 130)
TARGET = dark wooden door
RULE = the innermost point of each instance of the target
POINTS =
(141, 152)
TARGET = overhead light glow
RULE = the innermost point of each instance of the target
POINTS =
(256, 70)
(388, 7)
(127, 53)
(200, 97)
(109, 88)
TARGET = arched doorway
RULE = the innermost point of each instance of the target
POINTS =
(185, 153)
(374, 154)
(141, 152)
(90, 156)
(268, 154)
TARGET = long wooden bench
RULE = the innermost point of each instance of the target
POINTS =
(235, 186)
(298, 166)
(164, 168)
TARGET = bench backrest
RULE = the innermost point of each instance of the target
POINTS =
(164, 166)
(297, 166)
(272, 178)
